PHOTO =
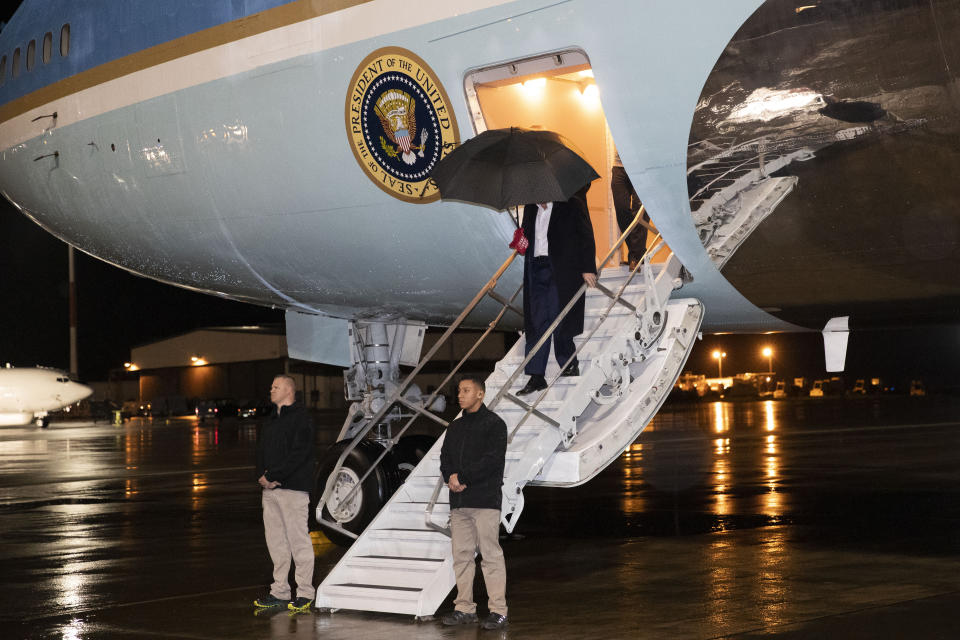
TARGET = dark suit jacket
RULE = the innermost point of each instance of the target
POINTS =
(572, 251)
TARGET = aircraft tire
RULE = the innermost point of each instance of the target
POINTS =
(367, 502)
(410, 451)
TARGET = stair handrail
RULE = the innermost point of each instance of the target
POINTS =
(655, 247)
(614, 250)
(398, 394)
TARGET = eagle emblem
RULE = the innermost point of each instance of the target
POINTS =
(400, 123)
(397, 112)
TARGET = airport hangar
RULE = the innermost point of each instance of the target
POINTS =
(240, 363)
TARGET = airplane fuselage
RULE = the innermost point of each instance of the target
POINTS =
(230, 149)
(30, 393)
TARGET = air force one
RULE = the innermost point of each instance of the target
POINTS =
(798, 160)
(30, 394)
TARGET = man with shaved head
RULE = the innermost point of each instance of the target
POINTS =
(285, 470)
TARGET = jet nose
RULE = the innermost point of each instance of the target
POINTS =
(76, 392)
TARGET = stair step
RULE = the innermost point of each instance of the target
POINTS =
(416, 575)
(634, 290)
(373, 546)
(364, 597)
(407, 534)
(379, 586)
(510, 454)
(419, 507)
(617, 310)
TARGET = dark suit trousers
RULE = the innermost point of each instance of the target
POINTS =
(545, 307)
(627, 204)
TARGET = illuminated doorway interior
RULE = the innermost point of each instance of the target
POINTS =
(554, 92)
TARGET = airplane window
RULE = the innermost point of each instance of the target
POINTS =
(65, 40)
(3, 70)
(47, 50)
(15, 63)
(31, 54)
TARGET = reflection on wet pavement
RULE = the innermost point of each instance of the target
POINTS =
(722, 519)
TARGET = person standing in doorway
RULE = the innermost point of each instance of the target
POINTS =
(560, 258)
(627, 204)
(471, 461)
(286, 461)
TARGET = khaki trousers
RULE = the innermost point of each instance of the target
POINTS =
(472, 530)
(287, 534)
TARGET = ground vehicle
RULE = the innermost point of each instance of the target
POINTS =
(917, 388)
(859, 387)
(817, 390)
(254, 409)
(781, 390)
(216, 409)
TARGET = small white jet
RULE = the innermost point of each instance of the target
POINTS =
(28, 395)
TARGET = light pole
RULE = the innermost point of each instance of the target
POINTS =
(768, 354)
(719, 356)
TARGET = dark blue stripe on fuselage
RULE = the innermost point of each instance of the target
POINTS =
(104, 30)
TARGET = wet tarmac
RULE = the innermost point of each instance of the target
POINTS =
(804, 518)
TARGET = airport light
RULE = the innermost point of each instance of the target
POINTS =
(719, 356)
(768, 354)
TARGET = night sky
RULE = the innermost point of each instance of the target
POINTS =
(118, 310)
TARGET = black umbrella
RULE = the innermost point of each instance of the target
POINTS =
(506, 167)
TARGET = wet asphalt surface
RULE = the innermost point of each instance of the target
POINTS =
(831, 518)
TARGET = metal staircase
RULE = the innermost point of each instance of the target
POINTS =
(634, 347)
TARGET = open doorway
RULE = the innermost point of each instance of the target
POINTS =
(554, 92)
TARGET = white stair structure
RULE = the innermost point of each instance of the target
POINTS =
(632, 352)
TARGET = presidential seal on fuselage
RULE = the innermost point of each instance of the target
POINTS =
(399, 123)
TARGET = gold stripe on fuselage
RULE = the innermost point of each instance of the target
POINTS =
(257, 23)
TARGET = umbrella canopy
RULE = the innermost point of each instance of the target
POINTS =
(506, 167)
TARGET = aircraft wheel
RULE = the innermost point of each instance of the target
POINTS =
(357, 512)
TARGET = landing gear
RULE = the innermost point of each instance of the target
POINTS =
(379, 400)
(355, 512)
(42, 421)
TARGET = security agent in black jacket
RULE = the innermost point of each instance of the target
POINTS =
(286, 451)
(475, 449)
(472, 461)
(285, 468)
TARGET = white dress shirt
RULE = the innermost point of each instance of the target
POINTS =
(540, 245)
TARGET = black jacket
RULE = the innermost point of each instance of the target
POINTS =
(286, 451)
(572, 253)
(475, 448)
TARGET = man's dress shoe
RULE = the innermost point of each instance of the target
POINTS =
(535, 383)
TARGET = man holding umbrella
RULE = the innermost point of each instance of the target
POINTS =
(560, 258)
(506, 167)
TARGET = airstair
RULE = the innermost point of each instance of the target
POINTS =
(635, 343)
